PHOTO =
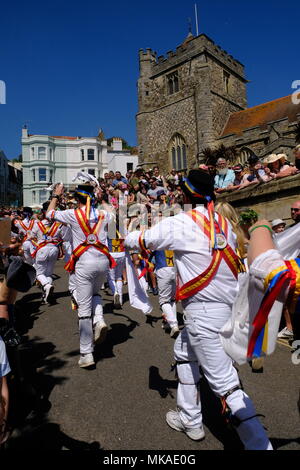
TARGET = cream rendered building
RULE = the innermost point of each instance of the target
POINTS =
(48, 159)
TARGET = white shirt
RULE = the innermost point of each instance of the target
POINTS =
(78, 237)
(192, 255)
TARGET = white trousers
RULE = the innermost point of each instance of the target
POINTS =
(200, 344)
(72, 278)
(72, 282)
(90, 273)
(166, 283)
(44, 264)
(28, 249)
(115, 277)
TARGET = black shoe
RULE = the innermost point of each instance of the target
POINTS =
(154, 291)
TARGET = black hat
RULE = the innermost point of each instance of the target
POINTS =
(85, 190)
(45, 206)
(199, 183)
(252, 159)
(20, 275)
(27, 210)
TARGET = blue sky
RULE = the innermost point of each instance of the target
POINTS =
(72, 67)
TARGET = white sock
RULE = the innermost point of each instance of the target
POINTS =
(97, 309)
(120, 289)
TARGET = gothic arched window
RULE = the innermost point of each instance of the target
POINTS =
(173, 83)
(245, 153)
(177, 152)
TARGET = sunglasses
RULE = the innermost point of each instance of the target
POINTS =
(294, 210)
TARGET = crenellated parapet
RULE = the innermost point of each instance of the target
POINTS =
(190, 91)
(192, 46)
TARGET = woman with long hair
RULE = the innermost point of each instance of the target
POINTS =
(230, 213)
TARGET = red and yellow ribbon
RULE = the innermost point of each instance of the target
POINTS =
(26, 229)
(144, 256)
(287, 276)
(227, 254)
(50, 232)
(88, 230)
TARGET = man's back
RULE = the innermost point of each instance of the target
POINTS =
(192, 254)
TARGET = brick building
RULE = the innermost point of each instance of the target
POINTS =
(196, 98)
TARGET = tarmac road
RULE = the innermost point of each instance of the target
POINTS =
(121, 403)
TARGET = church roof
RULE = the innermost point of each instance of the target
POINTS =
(261, 115)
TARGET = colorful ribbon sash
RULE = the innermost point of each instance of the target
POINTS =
(48, 232)
(144, 256)
(227, 254)
(26, 229)
(287, 276)
(88, 230)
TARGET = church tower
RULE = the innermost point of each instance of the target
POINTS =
(185, 99)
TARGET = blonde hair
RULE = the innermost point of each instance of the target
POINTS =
(230, 213)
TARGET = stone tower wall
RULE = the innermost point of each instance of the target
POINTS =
(158, 128)
(198, 111)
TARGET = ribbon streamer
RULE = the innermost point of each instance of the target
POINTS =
(276, 281)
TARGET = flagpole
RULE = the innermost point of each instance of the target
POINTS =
(196, 15)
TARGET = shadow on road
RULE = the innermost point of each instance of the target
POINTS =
(31, 383)
(150, 320)
(47, 436)
(214, 421)
(26, 311)
(210, 404)
(117, 334)
(156, 382)
(60, 295)
(277, 442)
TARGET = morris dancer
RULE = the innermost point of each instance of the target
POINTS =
(90, 261)
(25, 228)
(46, 253)
(207, 267)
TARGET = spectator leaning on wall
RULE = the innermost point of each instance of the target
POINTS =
(278, 166)
(225, 176)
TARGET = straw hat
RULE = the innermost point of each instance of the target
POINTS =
(282, 156)
(274, 157)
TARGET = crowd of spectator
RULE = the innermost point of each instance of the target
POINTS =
(153, 188)
(238, 176)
